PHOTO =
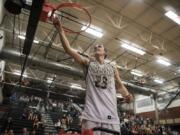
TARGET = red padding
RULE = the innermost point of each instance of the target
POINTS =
(47, 7)
(87, 132)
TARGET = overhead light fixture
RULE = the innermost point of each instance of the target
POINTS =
(121, 67)
(93, 30)
(160, 81)
(162, 93)
(76, 86)
(23, 37)
(178, 69)
(173, 16)
(49, 80)
(136, 72)
(152, 90)
(163, 61)
(36, 41)
(133, 49)
(29, 2)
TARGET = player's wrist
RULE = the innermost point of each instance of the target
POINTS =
(127, 95)
(128, 98)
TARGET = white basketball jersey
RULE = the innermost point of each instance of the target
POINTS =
(100, 101)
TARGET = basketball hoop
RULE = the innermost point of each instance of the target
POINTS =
(52, 8)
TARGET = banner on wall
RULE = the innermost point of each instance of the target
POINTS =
(145, 104)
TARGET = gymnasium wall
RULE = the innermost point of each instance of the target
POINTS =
(147, 104)
(145, 107)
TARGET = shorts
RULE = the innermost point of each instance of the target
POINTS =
(86, 124)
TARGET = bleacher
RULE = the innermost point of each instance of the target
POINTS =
(48, 124)
(55, 116)
(75, 124)
(17, 109)
(18, 123)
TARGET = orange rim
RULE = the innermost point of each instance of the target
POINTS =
(73, 5)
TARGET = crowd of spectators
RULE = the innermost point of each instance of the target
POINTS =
(8, 126)
(48, 104)
(132, 124)
(27, 114)
(35, 106)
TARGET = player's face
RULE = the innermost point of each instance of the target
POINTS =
(99, 50)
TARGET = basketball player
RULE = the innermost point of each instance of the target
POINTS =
(100, 102)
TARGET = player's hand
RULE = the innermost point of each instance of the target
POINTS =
(57, 23)
(128, 98)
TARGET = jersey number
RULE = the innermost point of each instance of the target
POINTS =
(101, 82)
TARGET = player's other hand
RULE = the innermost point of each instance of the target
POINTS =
(128, 98)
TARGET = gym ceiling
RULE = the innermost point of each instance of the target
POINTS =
(143, 24)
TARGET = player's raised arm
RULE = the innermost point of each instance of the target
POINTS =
(65, 43)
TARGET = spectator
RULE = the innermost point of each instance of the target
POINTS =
(30, 116)
(24, 115)
(9, 132)
(58, 125)
(36, 123)
(64, 122)
(25, 132)
(33, 132)
(9, 124)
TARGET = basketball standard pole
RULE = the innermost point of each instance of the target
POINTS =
(156, 109)
(35, 12)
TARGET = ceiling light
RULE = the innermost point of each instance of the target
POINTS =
(76, 86)
(23, 37)
(29, 2)
(152, 90)
(93, 30)
(136, 72)
(133, 49)
(36, 41)
(162, 93)
(160, 81)
(121, 67)
(155, 46)
(178, 70)
(49, 80)
(173, 16)
(163, 61)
